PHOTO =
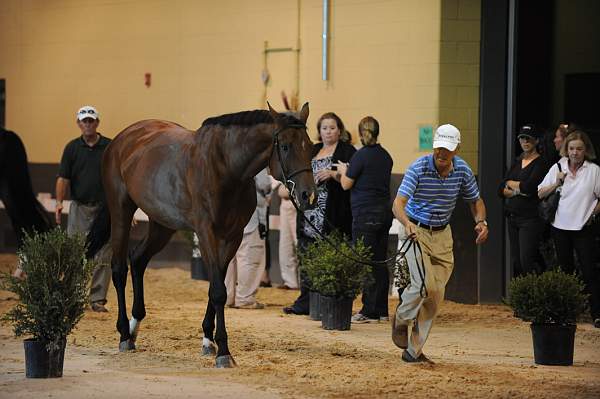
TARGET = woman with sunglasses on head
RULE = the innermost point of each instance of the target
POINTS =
(552, 149)
(333, 210)
(578, 209)
(519, 189)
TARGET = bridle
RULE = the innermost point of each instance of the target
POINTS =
(287, 176)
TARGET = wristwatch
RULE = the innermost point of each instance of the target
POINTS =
(481, 221)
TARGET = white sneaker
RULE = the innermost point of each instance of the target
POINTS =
(360, 318)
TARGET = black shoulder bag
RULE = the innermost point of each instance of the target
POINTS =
(548, 206)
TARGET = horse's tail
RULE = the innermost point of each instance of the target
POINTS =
(99, 233)
(26, 213)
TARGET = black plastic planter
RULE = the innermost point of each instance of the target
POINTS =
(314, 308)
(553, 344)
(198, 269)
(39, 363)
(336, 313)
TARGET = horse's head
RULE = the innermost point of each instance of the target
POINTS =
(292, 154)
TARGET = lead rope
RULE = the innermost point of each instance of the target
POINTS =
(421, 269)
(388, 261)
(402, 269)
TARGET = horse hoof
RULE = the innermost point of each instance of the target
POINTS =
(208, 350)
(225, 362)
(208, 347)
(126, 346)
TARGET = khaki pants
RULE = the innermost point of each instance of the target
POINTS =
(438, 260)
(79, 222)
(288, 262)
(245, 270)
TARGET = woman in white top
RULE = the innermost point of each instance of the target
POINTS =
(578, 207)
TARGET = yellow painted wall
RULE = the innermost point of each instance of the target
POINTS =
(406, 62)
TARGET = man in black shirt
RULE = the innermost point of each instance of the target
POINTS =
(81, 173)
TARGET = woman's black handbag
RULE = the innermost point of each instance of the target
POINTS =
(548, 206)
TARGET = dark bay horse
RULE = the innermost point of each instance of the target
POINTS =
(201, 181)
(25, 212)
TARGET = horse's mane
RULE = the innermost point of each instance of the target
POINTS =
(23, 209)
(247, 118)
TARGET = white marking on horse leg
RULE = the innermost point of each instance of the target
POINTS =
(206, 342)
(134, 327)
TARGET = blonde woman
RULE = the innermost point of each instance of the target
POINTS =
(551, 151)
(578, 207)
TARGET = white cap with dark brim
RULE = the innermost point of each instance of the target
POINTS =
(87, 111)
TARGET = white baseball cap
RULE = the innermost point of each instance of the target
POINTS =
(87, 111)
(446, 136)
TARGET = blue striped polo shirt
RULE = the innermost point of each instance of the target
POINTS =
(431, 198)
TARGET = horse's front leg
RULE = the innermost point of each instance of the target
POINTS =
(218, 297)
(217, 252)
(208, 327)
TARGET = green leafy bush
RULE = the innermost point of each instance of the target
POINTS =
(550, 297)
(336, 271)
(54, 294)
(188, 236)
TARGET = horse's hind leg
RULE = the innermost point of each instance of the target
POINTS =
(122, 209)
(158, 236)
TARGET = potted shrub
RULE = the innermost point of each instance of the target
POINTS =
(52, 298)
(337, 274)
(551, 301)
(314, 305)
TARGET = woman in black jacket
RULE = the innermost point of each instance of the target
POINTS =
(333, 210)
(519, 188)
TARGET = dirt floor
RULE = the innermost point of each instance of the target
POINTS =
(479, 352)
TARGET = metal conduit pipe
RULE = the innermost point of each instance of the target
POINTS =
(325, 36)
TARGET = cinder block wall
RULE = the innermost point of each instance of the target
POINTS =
(459, 72)
(406, 62)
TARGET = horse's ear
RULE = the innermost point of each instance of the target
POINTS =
(304, 113)
(274, 113)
